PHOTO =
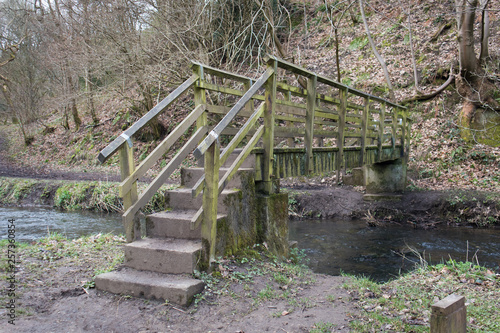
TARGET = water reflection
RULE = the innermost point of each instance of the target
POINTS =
(34, 223)
(355, 248)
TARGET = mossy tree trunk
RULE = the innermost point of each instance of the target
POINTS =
(472, 82)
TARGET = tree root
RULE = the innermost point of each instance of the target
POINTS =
(431, 95)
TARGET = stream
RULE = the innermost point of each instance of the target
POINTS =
(34, 223)
(352, 247)
(332, 246)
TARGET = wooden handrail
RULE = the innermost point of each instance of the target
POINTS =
(323, 79)
(243, 131)
(163, 175)
(221, 73)
(163, 147)
(119, 141)
(214, 134)
(240, 159)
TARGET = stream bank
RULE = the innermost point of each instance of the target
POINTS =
(417, 208)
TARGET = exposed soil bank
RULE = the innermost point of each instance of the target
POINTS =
(421, 209)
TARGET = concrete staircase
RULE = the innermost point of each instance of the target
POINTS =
(161, 265)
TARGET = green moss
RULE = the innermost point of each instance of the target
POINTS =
(72, 196)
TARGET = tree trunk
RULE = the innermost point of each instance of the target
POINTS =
(89, 89)
(468, 61)
(20, 121)
(485, 31)
(74, 109)
(377, 55)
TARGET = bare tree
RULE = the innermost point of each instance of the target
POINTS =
(374, 49)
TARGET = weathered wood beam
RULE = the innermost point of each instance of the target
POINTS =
(214, 134)
(130, 197)
(164, 174)
(154, 112)
(158, 152)
(309, 138)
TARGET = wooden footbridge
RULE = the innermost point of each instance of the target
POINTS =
(248, 134)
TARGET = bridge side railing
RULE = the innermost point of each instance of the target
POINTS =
(343, 113)
(132, 201)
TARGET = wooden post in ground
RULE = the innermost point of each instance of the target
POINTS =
(210, 196)
(449, 315)
(127, 167)
(309, 138)
(268, 139)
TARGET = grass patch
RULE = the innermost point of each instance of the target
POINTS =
(55, 260)
(94, 195)
(403, 305)
(236, 276)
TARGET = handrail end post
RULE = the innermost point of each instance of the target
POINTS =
(101, 158)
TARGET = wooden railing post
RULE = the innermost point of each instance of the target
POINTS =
(309, 138)
(364, 129)
(289, 124)
(394, 128)
(321, 142)
(381, 131)
(270, 104)
(341, 128)
(200, 95)
(250, 104)
(449, 315)
(210, 196)
(132, 229)
(405, 135)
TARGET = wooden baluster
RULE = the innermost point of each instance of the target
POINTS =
(249, 106)
(381, 131)
(394, 130)
(210, 197)
(268, 138)
(132, 227)
(291, 141)
(200, 96)
(341, 128)
(319, 127)
(405, 135)
(364, 129)
(309, 138)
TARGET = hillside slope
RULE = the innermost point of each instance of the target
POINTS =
(439, 158)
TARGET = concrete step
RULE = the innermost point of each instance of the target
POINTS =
(163, 255)
(174, 224)
(179, 289)
(189, 176)
(182, 199)
(249, 162)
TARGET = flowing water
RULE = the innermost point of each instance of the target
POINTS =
(34, 223)
(377, 252)
(332, 246)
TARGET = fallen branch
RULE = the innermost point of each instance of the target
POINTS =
(439, 31)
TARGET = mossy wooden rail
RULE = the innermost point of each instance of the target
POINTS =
(327, 126)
